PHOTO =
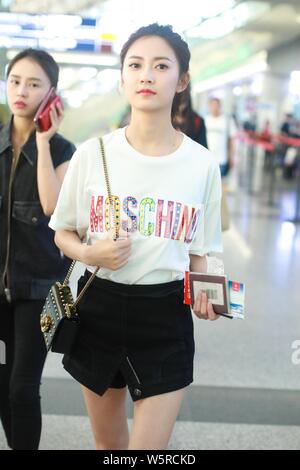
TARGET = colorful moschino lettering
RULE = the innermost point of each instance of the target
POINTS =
(150, 217)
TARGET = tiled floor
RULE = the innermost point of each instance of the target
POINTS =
(73, 433)
(247, 385)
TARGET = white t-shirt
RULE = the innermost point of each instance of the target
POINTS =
(170, 205)
(218, 130)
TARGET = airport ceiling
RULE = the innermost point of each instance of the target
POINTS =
(274, 22)
(278, 23)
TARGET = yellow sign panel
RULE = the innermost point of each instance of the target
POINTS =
(108, 37)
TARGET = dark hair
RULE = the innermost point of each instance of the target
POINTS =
(44, 59)
(183, 117)
(175, 41)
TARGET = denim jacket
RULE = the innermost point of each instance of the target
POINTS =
(30, 262)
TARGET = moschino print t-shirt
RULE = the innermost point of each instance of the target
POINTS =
(169, 205)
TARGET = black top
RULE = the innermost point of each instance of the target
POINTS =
(29, 260)
(197, 129)
(193, 126)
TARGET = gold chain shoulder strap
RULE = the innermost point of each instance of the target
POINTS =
(111, 202)
(116, 228)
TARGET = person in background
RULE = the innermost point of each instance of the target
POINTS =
(266, 136)
(266, 132)
(32, 168)
(187, 120)
(287, 126)
(220, 132)
(289, 154)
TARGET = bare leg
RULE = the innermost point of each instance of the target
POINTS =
(108, 418)
(154, 419)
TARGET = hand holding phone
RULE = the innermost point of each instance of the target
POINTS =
(42, 118)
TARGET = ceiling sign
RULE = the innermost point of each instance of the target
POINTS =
(52, 32)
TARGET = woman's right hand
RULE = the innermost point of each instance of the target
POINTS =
(108, 253)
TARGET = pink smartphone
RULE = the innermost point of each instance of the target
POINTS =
(42, 117)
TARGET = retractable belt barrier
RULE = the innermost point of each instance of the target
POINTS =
(255, 139)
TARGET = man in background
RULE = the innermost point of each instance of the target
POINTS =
(220, 132)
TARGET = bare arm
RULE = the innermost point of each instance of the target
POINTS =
(231, 151)
(106, 253)
(198, 264)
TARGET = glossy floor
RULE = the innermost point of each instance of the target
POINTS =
(247, 376)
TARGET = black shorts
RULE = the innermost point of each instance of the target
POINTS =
(135, 335)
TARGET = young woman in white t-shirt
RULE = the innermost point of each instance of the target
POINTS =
(135, 329)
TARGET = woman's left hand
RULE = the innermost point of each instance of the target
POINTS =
(56, 116)
(203, 309)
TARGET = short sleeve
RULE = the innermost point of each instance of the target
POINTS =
(70, 212)
(61, 150)
(208, 236)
